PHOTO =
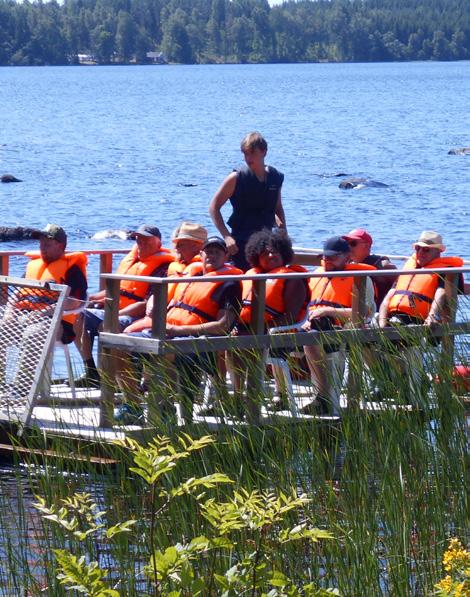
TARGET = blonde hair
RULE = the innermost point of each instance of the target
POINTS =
(253, 141)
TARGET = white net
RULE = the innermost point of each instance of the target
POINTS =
(30, 314)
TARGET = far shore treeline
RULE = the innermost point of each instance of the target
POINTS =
(236, 31)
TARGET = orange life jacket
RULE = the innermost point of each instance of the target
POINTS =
(178, 270)
(414, 294)
(275, 306)
(38, 269)
(193, 304)
(334, 292)
(133, 291)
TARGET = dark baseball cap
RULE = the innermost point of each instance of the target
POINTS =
(336, 245)
(215, 240)
(146, 230)
(53, 231)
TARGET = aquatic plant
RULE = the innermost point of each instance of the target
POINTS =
(220, 564)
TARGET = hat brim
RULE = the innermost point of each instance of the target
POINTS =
(215, 244)
(136, 234)
(187, 237)
(360, 238)
(333, 253)
(429, 246)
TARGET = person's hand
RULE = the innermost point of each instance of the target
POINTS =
(383, 322)
(232, 246)
(171, 330)
(432, 320)
(307, 326)
(323, 312)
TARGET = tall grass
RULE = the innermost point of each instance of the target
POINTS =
(390, 485)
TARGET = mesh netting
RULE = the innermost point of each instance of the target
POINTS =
(29, 318)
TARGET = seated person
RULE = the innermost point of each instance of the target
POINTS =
(146, 258)
(331, 305)
(420, 298)
(188, 239)
(414, 299)
(360, 243)
(197, 309)
(53, 264)
(286, 300)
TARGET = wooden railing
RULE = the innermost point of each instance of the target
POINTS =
(158, 345)
(105, 255)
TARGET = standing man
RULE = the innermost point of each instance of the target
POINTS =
(255, 194)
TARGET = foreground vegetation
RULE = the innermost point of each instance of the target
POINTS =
(221, 31)
(375, 505)
(367, 510)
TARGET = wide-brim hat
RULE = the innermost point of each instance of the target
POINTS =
(190, 231)
(431, 239)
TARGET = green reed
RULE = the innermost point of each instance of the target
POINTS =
(390, 485)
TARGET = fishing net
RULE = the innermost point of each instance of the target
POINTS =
(30, 314)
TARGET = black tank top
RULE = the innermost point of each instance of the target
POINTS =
(254, 202)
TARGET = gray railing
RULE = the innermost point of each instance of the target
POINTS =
(111, 340)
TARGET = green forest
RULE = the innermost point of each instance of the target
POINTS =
(232, 31)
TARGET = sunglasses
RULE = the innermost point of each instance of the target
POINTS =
(354, 243)
(422, 249)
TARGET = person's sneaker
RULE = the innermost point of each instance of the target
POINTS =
(86, 381)
(129, 414)
(318, 407)
(309, 409)
(211, 410)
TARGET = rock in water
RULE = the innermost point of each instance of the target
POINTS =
(459, 151)
(360, 183)
(9, 178)
(16, 233)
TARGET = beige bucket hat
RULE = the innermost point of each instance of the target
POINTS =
(190, 231)
(430, 239)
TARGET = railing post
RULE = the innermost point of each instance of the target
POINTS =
(106, 267)
(359, 313)
(108, 355)
(159, 398)
(256, 366)
(4, 265)
(448, 340)
(160, 301)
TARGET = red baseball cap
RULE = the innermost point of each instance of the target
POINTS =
(359, 234)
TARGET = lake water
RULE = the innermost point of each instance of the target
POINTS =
(111, 147)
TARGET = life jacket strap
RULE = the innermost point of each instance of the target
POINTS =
(325, 303)
(421, 297)
(267, 308)
(131, 295)
(195, 310)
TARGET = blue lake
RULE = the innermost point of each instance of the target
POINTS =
(111, 147)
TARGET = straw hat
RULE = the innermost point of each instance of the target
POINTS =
(190, 231)
(430, 239)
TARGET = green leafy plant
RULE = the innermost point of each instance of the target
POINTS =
(248, 529)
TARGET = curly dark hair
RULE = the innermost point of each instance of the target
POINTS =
(262, 241)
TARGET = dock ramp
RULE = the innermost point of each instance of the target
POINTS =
(30, 316)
